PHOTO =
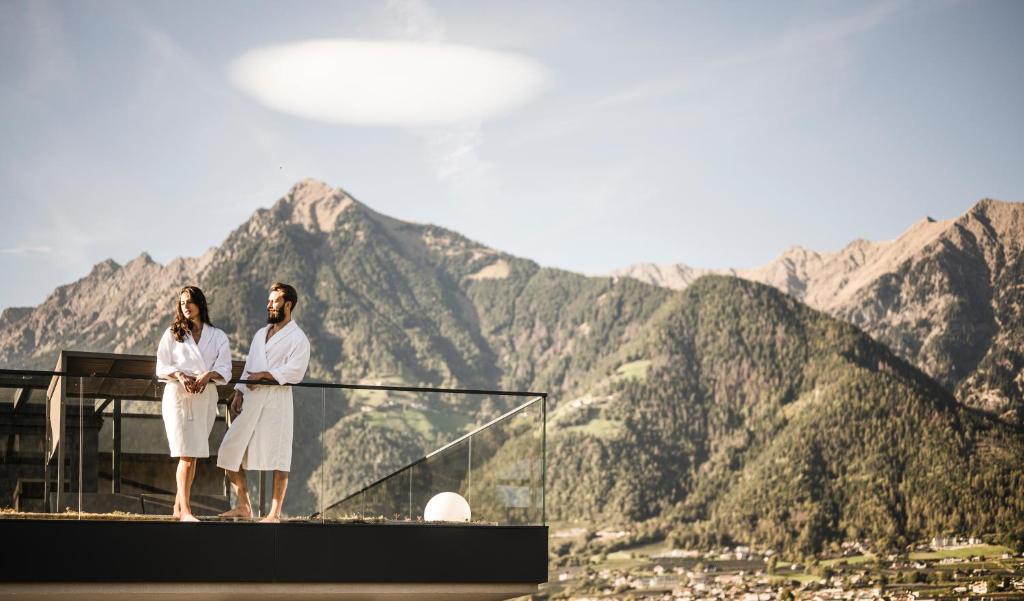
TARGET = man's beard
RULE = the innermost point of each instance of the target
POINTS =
(275, 316)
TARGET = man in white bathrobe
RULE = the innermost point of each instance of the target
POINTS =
(260, 436)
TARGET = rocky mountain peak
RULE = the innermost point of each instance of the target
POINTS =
(676, 276)
(142, 261)
(104, 267)
(799, 254)
(315, 205)
(311, 190)
(1004, 218)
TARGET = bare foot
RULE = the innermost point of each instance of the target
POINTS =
(237, 512)
(188, 517)
(271, 519)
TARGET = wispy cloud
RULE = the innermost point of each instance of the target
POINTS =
(454, 151)
(456, 160)
(765, 81)
(21, 251)
(173, 62)
(50, 63)
(415, 20)
(791, 51)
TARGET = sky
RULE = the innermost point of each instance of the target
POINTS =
(585, 135)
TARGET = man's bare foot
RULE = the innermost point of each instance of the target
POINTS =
(188, 517)
(237, 512)
(271, 519)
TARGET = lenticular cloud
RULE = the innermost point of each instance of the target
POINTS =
(360, 82)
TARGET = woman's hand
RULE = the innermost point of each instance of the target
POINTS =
(186, 380)
(203, 380)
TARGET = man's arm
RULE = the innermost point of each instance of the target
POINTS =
(245, 375)
(262, 375)
(295, 366)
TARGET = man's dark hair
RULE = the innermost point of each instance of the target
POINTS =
(287, 291)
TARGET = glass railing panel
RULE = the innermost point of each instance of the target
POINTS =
(383, 431)
(112, 452)
(444, 471)
(388, 500)
(497, 468)
(22, 441)
(327, 460)
(302, 497)
(507, 476)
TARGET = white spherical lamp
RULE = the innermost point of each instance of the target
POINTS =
(447, 507)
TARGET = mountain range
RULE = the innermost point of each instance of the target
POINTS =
(946, 296)
(870, 393)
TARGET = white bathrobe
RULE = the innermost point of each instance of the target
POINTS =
(189, 418)
(260, 438)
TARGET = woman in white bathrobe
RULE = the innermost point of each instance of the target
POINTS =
(192, 354)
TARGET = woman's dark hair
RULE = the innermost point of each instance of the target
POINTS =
(181, 325)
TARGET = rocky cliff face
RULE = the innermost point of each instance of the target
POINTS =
(115, 308)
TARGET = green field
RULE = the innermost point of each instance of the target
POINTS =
(600, 428)
(853, 560)
(429, 424)
(962, 553)
(634, 369)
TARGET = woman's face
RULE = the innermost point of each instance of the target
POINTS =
(188, 308)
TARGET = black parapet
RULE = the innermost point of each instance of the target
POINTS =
(99, 551)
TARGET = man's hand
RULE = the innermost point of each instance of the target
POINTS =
(235, 407)
(261, 375)
(186, 380)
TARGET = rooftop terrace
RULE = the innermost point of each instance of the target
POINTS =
(88, 487)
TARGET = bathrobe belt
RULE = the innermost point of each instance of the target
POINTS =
(188, 405)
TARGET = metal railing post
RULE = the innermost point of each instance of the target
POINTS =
(81, 440)
(115, 460)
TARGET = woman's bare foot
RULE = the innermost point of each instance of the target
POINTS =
(271, 519)
(237, 512)
(188, 517)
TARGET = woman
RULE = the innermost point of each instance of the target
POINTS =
(192, 354)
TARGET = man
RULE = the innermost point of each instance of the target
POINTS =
(260, 436)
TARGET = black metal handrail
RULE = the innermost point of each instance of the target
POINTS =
(331, 385)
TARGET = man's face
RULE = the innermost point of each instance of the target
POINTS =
(188, 308)
(277, 310)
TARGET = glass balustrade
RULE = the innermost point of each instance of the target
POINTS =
(92, 445)
(497, 467)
